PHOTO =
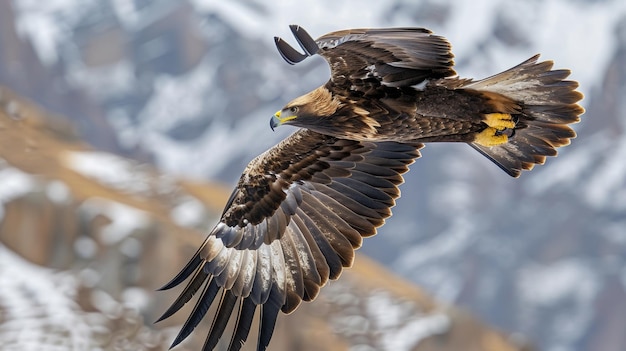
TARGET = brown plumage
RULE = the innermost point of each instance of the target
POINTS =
(397, 84)
(301, 208)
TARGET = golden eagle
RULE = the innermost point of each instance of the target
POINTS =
(301, 208)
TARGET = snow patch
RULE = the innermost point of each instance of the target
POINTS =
(48, 24)
(606, 187)
(177, 99)
(569, 167)
(417, 330)
(13, 184)
(106, 304)
(118, 78)
(571, 284)
(401, 325)
(109, 170)
(448, 243)
(137, 298)
(37, 308)
(545, 284)
(125, 220)
(85, 247)
(58, 192)
(189, 213)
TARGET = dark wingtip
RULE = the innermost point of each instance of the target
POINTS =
(307, 43)
(224, 312)
(184, 297)
(160, 318)
(184, 273)
(199, 311)
(288, 53)
(269, 314)
(245, 316)
(168, 286)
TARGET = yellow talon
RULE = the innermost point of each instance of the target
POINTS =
(489, 137)
(499, 121)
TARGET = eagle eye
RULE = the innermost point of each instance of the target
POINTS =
(293, 109)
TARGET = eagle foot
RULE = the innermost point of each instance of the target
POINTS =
(490, 136)
(499, 121)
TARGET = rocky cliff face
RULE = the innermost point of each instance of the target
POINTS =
(86, 237)
(172, 82)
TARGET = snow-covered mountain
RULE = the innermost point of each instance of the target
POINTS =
(86, 237)
(182, 83)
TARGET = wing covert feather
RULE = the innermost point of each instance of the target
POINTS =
(362, 58)
(294, 220)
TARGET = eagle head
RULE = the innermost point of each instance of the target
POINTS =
(310, 111)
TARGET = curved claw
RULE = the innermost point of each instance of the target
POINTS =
(307, 43)
(291, 55)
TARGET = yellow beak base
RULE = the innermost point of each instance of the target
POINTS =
(277, 120)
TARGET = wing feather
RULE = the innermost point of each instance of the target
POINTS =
(381, 184)
(192, 287)
(362, 58)
(200, 309)
(331, 257)
(188, 270)
(263, 278)
(339, 243)
(367, 190)
(361, 198)
(294, 282)
(321, 263)
(243, 283)
(232, 270)
(279, 268)
(294, 220)
(365, 212)
(336, 224)
(219, 263)
(224, 312)
(310, 275)
(269, 314)
(245, 316)
(356, 221)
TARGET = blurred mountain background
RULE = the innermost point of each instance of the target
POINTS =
(163, 90)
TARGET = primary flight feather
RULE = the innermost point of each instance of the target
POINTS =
(301, 208)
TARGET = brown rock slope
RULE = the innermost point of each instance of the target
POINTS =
(86, 237)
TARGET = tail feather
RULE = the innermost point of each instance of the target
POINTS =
(548, 105)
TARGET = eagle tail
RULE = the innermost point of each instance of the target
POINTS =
(545, 104)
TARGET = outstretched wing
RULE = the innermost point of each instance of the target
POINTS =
(361, 58)
(294, 220)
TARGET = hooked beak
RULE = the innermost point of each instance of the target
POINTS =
(277, 120)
